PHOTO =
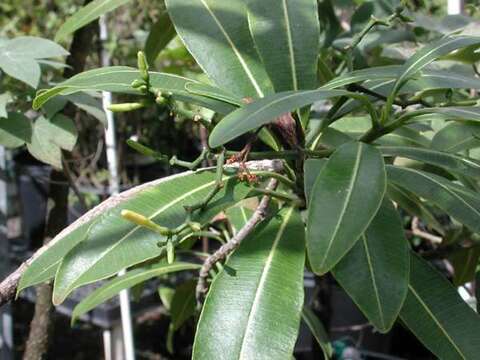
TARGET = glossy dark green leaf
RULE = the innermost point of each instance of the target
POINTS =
(15, 130)
(456, 137)
(413, 205)
(431, 52)
(457, 201)
(464, 262)
(183, 304)
(311, 169)
(429, 79)
(130, 279)
(287, 37)
(118, 79)
(375, 272)
(437, 315)
(161, 33)
(318, 331)
(264, 111)
(238, 217)
(448, 161)
(388, 72)
(345, 197)
(87, 14)
(113, 243)
(116, 243)
(216, 33)
(255, 314)
(213, 92)
(471, 113)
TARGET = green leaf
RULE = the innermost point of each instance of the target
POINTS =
(183, 303)
(118, 79)
(448, 161)
(471, 113)
(49, 136)
(19, 57)
(130, 279)
(162, 199)
(429, 79)
(15, 130)
(25, 70)
(311, 168)
(238, 217)
(464, 262)
(161, 33)
(31, 47)
(456, 137)
(113, 243)
(60, 130)
(318, 331)
(214, 92)
(265, 111)
(378, 73)
(437, 315)
(430, 53)
(455, 200)
(166, 295)
(287, 37)
(375, 272)
(216, 33)
(413, 205)
(255, 314)
(87, 14)
(90, 105)
(345, 197)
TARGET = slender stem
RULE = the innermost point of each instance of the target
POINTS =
(190, 165)
(274, 175)
(218, 185)
(221, 254)
(280, 195)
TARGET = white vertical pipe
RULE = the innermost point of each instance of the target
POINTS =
(6, 328)
(455, 7)
(114, 184)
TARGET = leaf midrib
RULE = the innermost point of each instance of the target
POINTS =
(414, 64)
(345, 204)
(261, 284)
(237, 53)
(147, 275)
(158, 212)
(407, 150)
(290, 45)
(446, 188)
(374, 280)
(427, 310)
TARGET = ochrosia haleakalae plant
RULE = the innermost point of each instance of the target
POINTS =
(329, 189)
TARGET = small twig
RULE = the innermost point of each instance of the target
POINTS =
(218, 186)
(359, 327)
(423, 234)
(190, 165)
(233, 243)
